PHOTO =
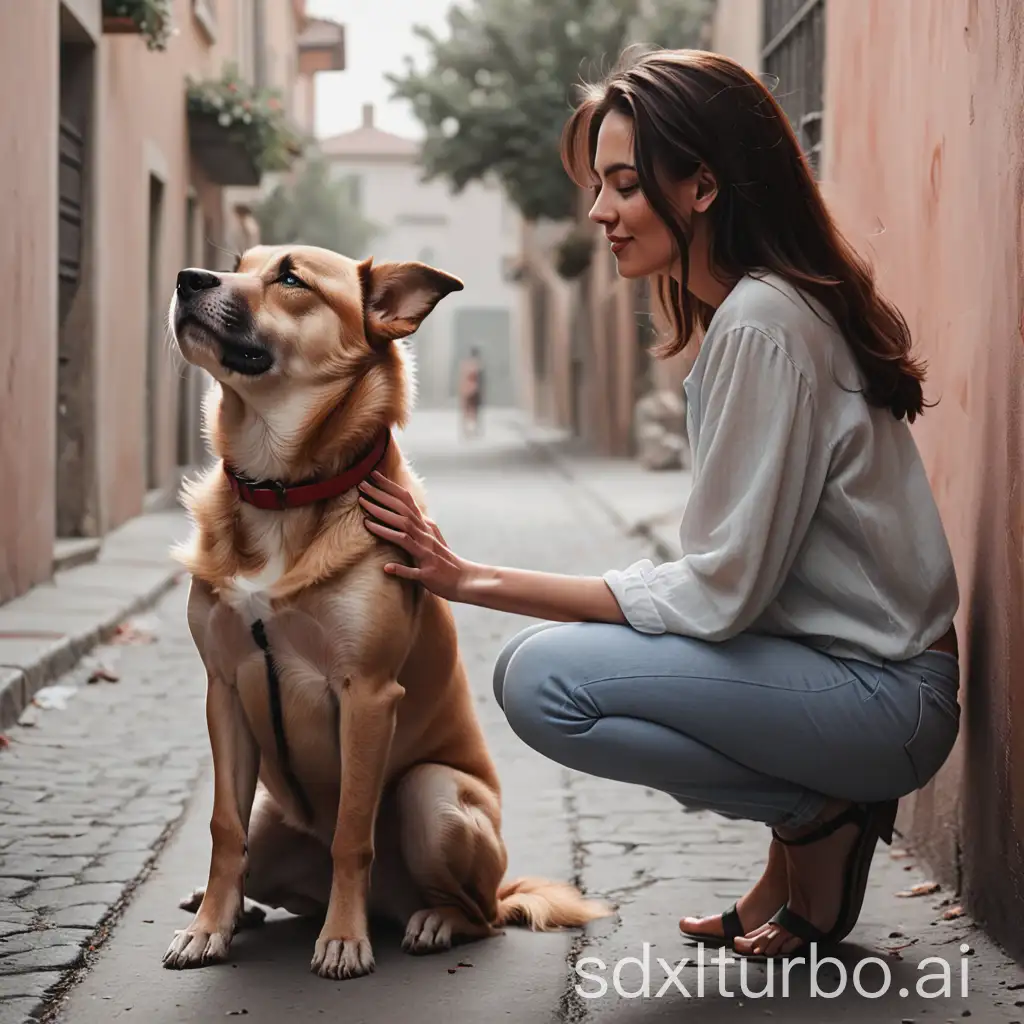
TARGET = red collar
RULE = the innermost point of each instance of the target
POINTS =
(274, 495)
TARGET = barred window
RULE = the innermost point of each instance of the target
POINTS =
(794, 53)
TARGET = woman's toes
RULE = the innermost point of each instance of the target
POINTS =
(711, 926)
(758, 936)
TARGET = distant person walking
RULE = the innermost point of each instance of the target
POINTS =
(471, 392)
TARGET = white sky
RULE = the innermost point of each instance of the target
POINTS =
(378, 35)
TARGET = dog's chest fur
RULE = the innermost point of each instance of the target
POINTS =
(248, 593)
(337, 612)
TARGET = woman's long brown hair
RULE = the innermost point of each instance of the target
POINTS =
(691, 108)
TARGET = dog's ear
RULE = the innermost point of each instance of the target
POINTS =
(397, 297)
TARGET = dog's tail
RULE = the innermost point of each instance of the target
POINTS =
(542, 905)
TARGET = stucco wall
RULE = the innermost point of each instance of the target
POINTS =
(736, 31)
(925, 166)
(29, 47)
(145, 133)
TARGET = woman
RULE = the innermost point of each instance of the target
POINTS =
(798, 664)
(471, 391)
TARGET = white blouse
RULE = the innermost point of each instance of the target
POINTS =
(810, 514)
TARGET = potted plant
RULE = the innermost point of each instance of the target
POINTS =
(149, 18)
(238, 132)
(573, 253)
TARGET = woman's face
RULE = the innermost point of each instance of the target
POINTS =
(639, 239)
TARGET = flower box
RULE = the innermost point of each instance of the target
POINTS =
(237, 132)
(119, 25)
(222, 154)
(150, 19)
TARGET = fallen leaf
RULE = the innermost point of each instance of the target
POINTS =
(452, 970)
(921, 889)
(236, 1013)
(103, 674)
(140, 630)
(465, 963)
(53, 698)
(896, 949)
(953, 912)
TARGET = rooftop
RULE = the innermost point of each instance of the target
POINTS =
(369, 141)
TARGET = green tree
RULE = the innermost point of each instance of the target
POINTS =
(312, 208)
(499, 88)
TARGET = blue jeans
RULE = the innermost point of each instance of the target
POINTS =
(757, 727)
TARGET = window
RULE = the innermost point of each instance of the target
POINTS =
(205, 12)
(794, 53)
(354, 190)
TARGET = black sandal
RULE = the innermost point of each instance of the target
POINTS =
(876, 822)
(731, 926)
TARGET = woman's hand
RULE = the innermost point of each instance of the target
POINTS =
(402, 523)
(394, 516)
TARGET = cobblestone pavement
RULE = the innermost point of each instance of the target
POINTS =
(89, 793)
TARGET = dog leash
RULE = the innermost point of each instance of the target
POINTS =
(259, 634)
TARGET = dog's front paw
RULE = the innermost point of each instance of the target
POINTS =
(193, 947)
(250, 916)
(429, 930)
(342, 958)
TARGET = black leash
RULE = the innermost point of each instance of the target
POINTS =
(259, 634)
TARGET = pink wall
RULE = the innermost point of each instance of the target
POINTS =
(925, 127)
(145, 131)
(29, 79)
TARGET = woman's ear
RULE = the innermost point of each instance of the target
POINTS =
(706, 190)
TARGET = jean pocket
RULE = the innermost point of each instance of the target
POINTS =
(938, 722)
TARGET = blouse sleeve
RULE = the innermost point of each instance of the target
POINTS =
(754, 494)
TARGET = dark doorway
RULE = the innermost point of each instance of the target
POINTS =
(154, 333)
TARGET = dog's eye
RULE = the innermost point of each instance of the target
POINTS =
(289, 280)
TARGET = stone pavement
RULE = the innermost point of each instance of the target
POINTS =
(641, 503)
(46, 631)
(104, 810)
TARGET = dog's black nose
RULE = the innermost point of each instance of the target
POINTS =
(192, 281)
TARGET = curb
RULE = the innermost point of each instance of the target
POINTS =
(46, 632)
(20, 683)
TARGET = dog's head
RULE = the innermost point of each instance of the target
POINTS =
(295, 313)
(296, 331)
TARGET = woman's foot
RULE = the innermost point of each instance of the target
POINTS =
(816, 874)
(755, 907)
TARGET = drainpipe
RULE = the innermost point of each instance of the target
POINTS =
(259, 44)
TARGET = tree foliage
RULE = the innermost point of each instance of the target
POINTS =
(314, 209)
(499, 88)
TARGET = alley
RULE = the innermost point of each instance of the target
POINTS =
(87, 794)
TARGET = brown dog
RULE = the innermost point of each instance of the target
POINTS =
(343, 730)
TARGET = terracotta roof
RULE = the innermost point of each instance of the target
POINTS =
(321, 46)
(321, 32)
(369, 141)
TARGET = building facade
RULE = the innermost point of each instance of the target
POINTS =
(109, 192)
(472, 235)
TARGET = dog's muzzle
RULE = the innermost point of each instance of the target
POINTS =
(207, 311)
